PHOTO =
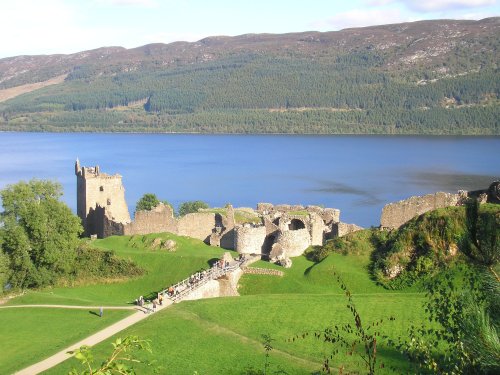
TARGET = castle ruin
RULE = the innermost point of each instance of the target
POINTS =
(276, 232)
(99, 196)
(396, 214)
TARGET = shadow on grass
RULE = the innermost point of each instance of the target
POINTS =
(94, 313)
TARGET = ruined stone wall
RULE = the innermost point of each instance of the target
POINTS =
(294, 242)
(197, 225)
(249, 239)
(209, 290)
(330, 215)
(317, 229)
(96, 189)
(160, 219)
(396, 214)
(341, 229)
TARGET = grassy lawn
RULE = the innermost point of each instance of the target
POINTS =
(29, 335)
(223, 335)
(162, 269)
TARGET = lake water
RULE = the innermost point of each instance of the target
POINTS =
(357, 174)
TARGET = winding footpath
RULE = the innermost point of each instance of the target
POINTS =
(96, 338)
(140, 314)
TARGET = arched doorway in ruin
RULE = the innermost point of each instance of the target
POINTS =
(296, 224)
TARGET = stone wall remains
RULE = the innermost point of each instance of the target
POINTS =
(209, 290)
(396, 214)
(160, 219)
(341, 229)
(294, 242)
(317, 229)
(197, 225)
(249, 239)
(263, 271)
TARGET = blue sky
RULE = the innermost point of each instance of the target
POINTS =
(66, 26)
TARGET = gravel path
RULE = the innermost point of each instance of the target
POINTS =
(91, 340)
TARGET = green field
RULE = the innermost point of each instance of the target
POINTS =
(162, 269)
(29, 335)
(223, 335)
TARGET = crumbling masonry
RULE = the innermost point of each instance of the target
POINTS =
(282, 231)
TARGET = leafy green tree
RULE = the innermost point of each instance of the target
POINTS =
(39, 233)
(147, 202)
(191, 206)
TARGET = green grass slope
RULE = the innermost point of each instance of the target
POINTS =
(29, 335)
(223, 335)
(162, 269)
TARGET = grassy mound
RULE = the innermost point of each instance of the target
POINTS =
(161, 267)
(434, 241)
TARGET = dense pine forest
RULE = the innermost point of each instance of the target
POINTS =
(429, 77)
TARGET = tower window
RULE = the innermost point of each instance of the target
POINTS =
(109, 202)
(101, 188)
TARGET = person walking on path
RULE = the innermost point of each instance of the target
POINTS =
(101, 310)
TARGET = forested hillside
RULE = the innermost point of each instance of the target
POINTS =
(429, 77)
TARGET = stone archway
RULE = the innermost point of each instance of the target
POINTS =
(296, 224)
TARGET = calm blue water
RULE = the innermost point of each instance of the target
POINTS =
(357, 174)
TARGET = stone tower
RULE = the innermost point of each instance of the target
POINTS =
(100, 200)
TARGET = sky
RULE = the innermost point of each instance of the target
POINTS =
(31, 27)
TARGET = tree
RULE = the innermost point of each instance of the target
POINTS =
(39, 233)
(147, 202)
(191, 206)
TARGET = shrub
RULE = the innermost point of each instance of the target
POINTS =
(147, 202)
(191, 207)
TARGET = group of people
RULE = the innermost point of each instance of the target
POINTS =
(150, 306)
(192, 281)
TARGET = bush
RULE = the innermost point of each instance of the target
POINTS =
(191, 206)
(96, 265)
(147, 202)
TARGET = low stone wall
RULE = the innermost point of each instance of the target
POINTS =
(158, 220)
(396, 214)
(262, 271)
(209, 290)
(226, 286)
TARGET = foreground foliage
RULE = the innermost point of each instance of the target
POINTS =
(463, 337)
(120, 361)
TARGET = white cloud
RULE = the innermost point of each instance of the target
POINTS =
(47, 22)
(360, 18)
(141, 3)
(379, 2)
(440, 5)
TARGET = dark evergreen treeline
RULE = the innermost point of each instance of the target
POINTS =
(254, 93)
